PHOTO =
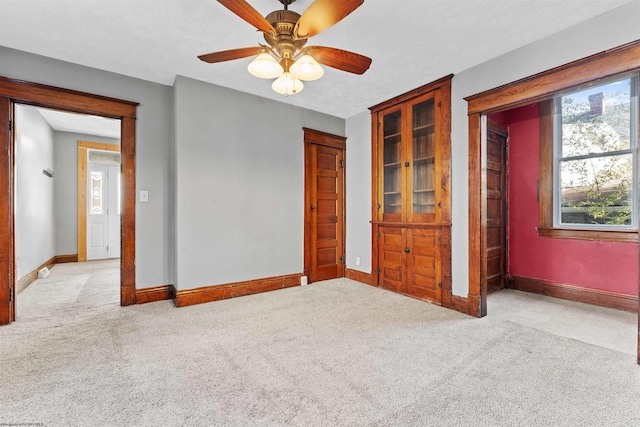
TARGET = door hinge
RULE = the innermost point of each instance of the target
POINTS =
(341, 163)
(378, 234)
(342, 260)
(107, 248)
(379, 206)
(10, 125)
(11, 294)
(440, 104)
(439, 239)
(440, 285)
(379, 271)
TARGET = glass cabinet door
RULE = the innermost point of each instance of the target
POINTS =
(392, 166)
(423, 158)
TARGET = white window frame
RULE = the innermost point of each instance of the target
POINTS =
(633, 150)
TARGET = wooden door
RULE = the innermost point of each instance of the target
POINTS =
(324, 217)
(424, 264)
(391, 259)
(496, 207)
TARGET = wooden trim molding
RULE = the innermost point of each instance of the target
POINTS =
(17, 91)
(444, 81)
(205, 294)
(61, 259)
(358, 276)
(32, 276)
(539, 86)
(83, 147)
(156, 293)
(575, 293)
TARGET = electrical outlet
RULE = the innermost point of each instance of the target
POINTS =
(144, 196)
(357, 260)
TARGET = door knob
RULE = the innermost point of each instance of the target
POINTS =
(312, 207)
(407, 250)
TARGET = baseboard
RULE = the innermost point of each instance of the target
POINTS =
(157, 293)
(358, 276)
(575, 293)
(467, 305)
(22, 284)
(205, 294)
(61, 259)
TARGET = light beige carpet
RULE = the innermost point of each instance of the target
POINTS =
(332, 353)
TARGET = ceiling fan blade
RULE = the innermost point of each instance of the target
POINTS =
(322, 14)
(340, 59)
(228, 55)
(245, 11)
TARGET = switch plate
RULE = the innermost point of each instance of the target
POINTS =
(357, 260)
(144, 196)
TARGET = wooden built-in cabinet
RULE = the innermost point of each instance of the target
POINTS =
(411, 193)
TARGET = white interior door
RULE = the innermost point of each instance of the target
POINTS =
(103, 211)
(97, 221)
(113, 212)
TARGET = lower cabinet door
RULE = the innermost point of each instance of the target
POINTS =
(391, 259)
(409, 262)
(424, 264)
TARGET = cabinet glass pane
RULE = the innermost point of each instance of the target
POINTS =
(391, 162)
(423, 125)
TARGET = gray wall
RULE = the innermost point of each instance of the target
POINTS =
(154, 132)
(240, 184)
(359, 192)
(609, 30)
(34, 209)
(65, 153)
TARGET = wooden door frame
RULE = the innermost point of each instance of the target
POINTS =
(21, 92)
(619, 60)
(316, 137)
(83, 147)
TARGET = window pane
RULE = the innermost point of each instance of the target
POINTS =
(96, 193)
(597, 120)
(597, 190)
(423, 157)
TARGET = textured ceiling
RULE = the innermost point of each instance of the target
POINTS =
(412, 42)
(81, 123)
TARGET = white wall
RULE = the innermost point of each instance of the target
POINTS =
(65, 153)
(34, 203)
(609, 30)
(154, 133)
(358, 129)
(240, 184)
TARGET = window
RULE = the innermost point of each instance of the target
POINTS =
(591, 135)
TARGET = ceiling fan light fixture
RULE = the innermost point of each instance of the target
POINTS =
(287, 84)
(306, 68)
(265, 66)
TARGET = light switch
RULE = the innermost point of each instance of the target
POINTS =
(144, 196)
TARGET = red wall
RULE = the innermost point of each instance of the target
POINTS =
(609, 266)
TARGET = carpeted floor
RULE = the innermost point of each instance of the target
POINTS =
(331, 353)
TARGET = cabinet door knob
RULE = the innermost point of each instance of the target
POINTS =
(312, 207)
(406, 164)
(407, 250)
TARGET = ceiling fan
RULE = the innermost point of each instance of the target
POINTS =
(286, 34)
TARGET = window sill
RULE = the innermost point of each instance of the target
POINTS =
(627, 236)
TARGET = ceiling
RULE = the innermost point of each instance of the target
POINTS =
(81, 123)
(411, 42)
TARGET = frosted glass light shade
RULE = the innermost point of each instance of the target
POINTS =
(306, 68)
(265, 67)
(286, 84)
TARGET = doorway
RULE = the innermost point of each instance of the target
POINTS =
(324, 218)
(526, 91)
(19, 92)
(99, 194)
